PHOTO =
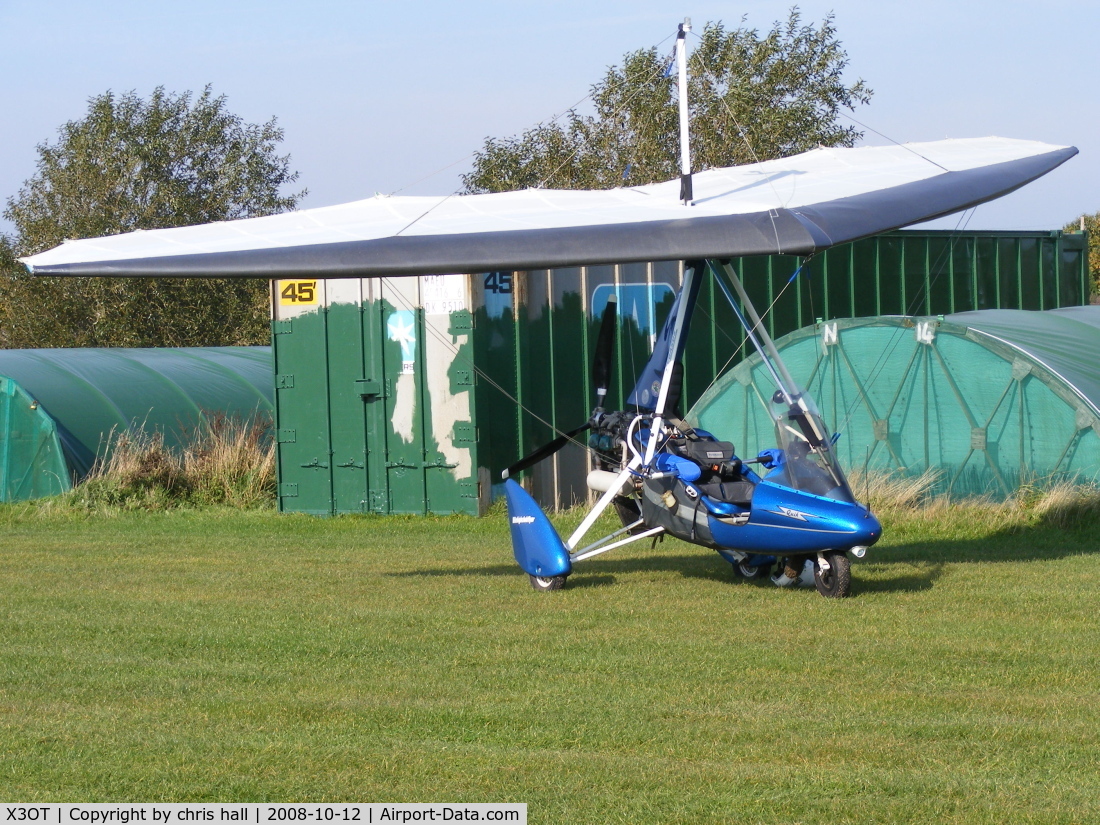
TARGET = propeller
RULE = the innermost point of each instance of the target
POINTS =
(605, 345)
(601, 377)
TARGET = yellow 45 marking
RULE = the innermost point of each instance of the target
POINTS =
(296, 293)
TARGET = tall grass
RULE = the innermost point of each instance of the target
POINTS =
(1061, 504)
(229, 461)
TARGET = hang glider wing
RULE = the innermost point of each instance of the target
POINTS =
(795, 205)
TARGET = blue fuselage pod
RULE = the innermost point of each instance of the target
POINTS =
(785, 520)
(538, 548)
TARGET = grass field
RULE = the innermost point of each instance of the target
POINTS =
(212, 654)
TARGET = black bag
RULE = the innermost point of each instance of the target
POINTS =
(708, 453)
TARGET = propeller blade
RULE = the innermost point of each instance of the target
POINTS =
(601, 375)
(545, 451)
(605, 345)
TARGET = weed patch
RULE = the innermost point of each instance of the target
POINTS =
(229, 461)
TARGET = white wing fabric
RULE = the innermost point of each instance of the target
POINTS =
(795, 205)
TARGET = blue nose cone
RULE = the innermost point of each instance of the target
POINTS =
(867, 530)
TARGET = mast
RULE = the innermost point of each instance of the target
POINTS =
(685, 142)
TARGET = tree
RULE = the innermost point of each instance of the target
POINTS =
(1092, 226)
(129, 164)
(751, 98)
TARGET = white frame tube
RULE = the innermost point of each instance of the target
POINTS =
(596, 549)
(601, 505)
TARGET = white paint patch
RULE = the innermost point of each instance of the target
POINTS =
(404, 406)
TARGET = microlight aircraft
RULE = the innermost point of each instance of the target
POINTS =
(794, 512)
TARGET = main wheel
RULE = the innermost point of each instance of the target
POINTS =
(544, 583)
(752, 571)
(836, 582)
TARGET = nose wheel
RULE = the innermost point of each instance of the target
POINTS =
(835, 581)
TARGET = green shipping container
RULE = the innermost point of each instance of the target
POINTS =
(373, 396)
(410, 395)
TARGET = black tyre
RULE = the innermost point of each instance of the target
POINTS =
(746, 569)
(836, 583)
(752, 571)
(544, 583)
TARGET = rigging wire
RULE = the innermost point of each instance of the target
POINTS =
(749, 331)
(741, 131)
(444, 339)
(880, 364)
(661, 69)
(744, 134)
(539, 125)
(455, 350)
(906, 146)
(436, 333)
(551, 120)
(964, 220)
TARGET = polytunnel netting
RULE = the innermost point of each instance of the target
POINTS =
(990, 399)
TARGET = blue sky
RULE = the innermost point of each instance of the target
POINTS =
(376, 96)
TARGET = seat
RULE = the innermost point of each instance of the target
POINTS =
(729, 492)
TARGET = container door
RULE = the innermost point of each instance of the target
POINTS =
(345, 347)
(403, 365)
(376, 387)
(301, 398)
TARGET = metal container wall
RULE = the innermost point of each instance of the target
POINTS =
(503, 360)
(535, 342)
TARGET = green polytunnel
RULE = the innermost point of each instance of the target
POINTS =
(58, 407)
(989, 400)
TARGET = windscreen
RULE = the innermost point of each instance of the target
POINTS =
(809, 463)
